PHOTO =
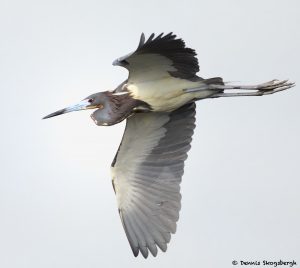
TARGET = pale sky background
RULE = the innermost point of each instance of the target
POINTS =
(241, 186)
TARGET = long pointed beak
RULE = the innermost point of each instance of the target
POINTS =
(77, 107)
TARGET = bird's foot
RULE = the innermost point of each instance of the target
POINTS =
(274, 86)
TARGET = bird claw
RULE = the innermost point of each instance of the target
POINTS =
(274, 86)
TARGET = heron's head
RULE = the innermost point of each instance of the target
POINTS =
(94, 101)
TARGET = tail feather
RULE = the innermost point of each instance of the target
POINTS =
(210, 86)
(214, 81)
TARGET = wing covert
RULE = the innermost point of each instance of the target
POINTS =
(147, 172)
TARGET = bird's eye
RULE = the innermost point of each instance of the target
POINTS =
(90, 100)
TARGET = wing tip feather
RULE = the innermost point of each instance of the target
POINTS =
(142, 40)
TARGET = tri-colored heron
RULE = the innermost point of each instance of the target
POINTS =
(158, 102)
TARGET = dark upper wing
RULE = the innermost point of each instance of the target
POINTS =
(147, 172)
(158, 57)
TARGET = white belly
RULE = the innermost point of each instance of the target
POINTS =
(166, 94)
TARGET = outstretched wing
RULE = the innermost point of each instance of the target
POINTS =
(158, 57)
(146, 175)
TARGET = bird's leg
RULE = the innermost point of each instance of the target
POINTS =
(267, 88)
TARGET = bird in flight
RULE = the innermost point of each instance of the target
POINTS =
(158, 101)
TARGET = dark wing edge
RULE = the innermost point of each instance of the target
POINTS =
(149, 198)
(183, 59)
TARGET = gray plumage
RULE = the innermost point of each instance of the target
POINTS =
(147, 174)
(183, 58)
